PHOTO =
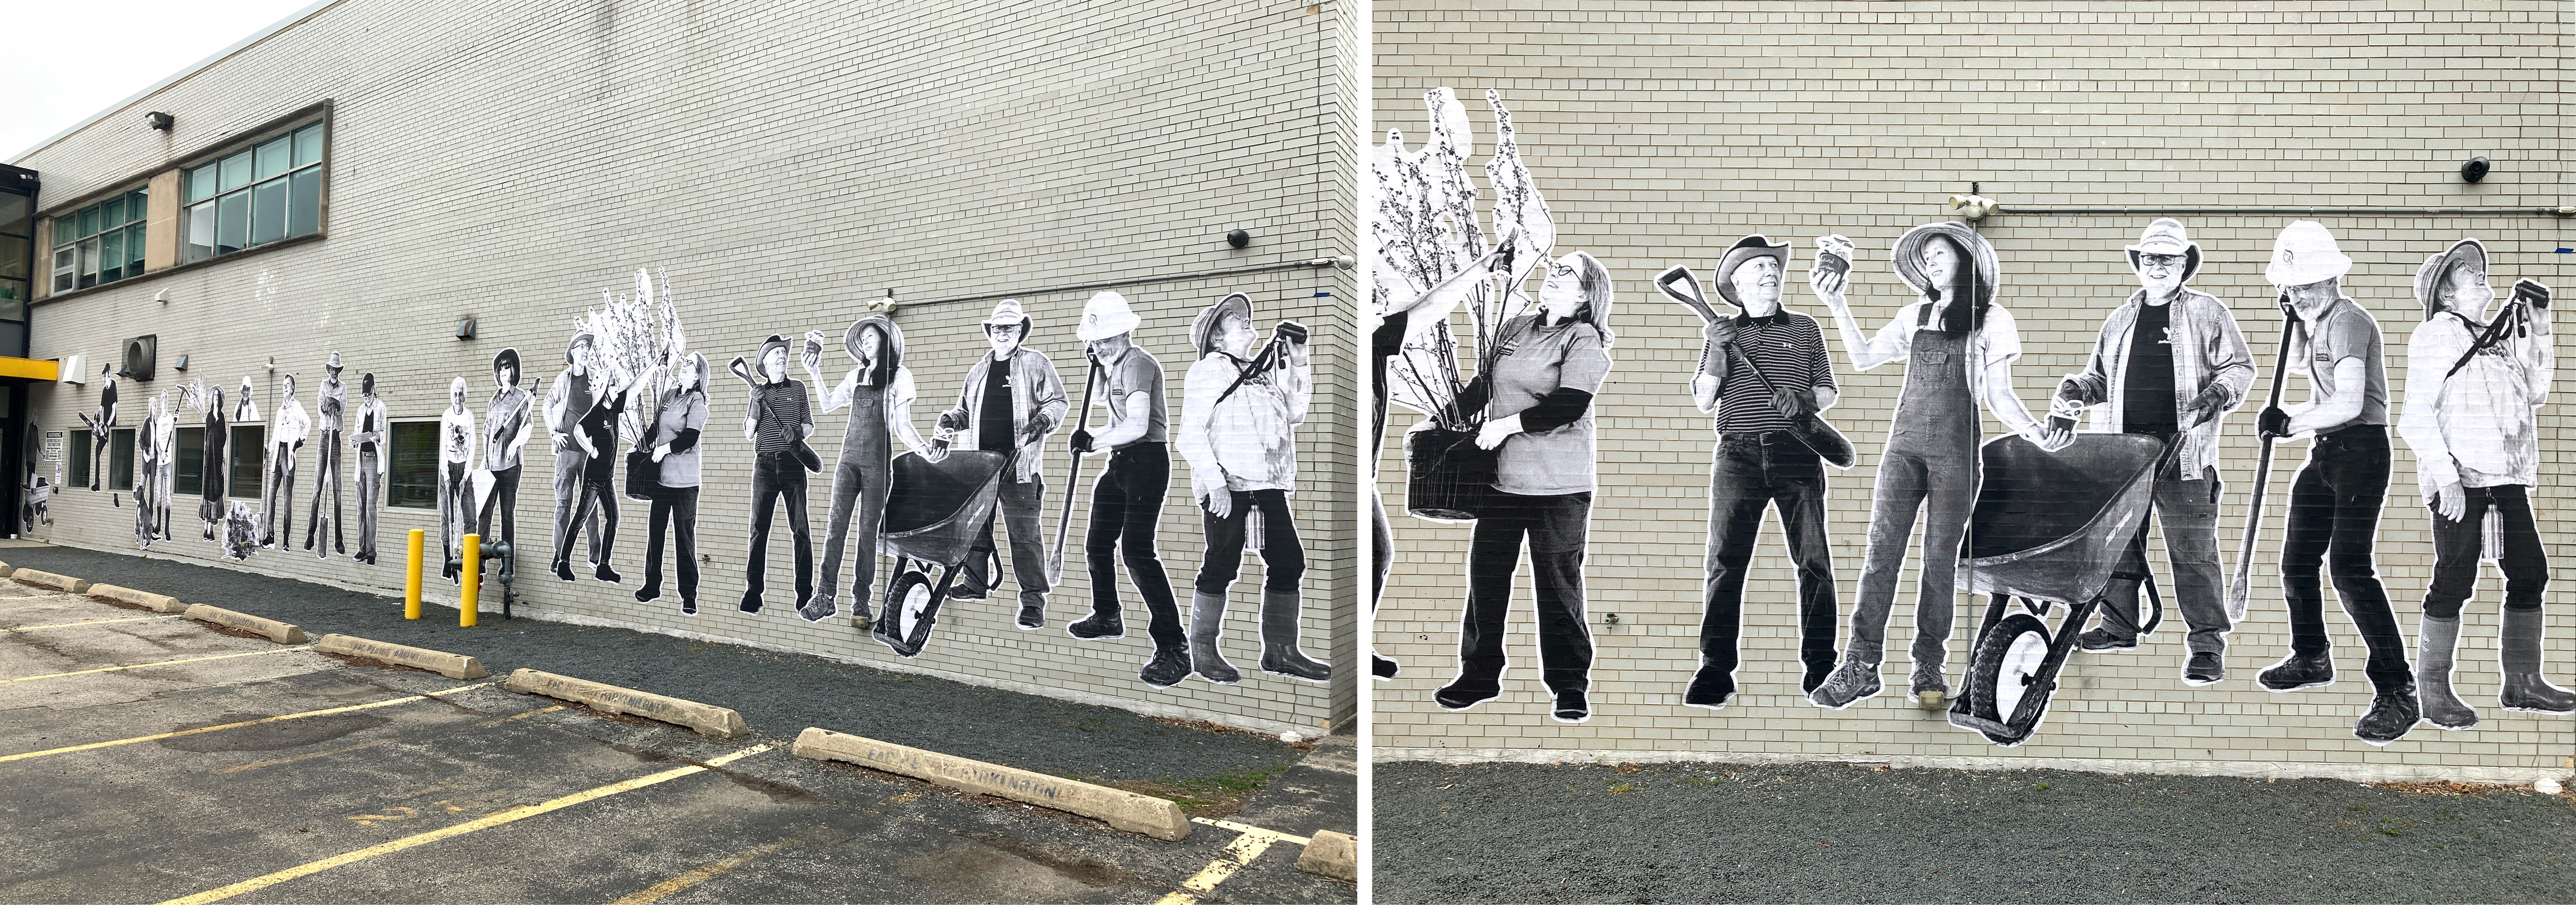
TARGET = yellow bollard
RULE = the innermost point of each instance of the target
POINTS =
(411, 580)
(473, 583)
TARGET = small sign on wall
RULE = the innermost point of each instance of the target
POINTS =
(53, 446)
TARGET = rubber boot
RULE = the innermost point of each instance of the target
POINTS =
(2433, 659)
(2524, 689)
(1279, 653)
(1207, 618)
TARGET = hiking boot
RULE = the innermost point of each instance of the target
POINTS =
(607, 574)
(1710, 687)
(1928, 688)
(2205, 668)
(651, 591)
(1032, 617)
(1855, 680)
(1462, 693)
(1099, 626)
(1572, 707)
(1169, 666)
(2298, 671)
(2392, 712)
(2099, 638)
(818, 609)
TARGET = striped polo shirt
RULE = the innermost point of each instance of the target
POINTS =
(1789, 350)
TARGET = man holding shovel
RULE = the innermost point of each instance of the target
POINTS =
(1128, 501)
(1758, 370)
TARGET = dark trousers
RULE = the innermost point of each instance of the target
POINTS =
(777, 475)
(674, 509)
(1747, 477)
(502, 507)
(582, 499)
(2456, 547)
(1017, 508)
(370, 496)
(1125, 506)
(1283, 557)
(1557, 527)
(278, 506)
(2188, 510)
(1382, 551)
(2334, 515)
(863, 487)
(455, 513)
(326, 482)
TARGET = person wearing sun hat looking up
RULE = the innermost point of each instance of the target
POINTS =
(1127, 502)
(1240, 407)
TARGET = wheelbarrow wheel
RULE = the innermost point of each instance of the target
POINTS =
(904, 623)
(2005, 674)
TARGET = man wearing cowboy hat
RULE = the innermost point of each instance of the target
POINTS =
(1012, 399)
(286, 439)
(879, 394)
(2171, 364)
(2335, 502)
(780, 418)
(330, 400)
(1127, 503)
(2472, 418)
(1759, 464)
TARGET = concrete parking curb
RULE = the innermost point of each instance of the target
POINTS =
(453, 666)
(279, 632)
(1332, 854)
(160, 603)
(1156, 817)
(50, 581)
(5, 569)
(706, 719)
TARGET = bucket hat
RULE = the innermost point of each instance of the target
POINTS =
(1009, 314)
(2305, 253)
(1746, 249)
(2428, 280)
(1908, 256)
(1203, 330)
(1106, 315)
(2166, 237)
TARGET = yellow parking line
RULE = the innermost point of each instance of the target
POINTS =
(1232, 858)
(512, 815)
(203, 729)
(38, 628)
(659, 891)
(1275, 835)
(84, 672)
(382, 741)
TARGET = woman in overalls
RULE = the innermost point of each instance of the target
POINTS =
(879, 394)
(1959, 347)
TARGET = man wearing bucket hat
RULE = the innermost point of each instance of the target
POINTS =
(2171, 364)
(1959, 345)
(879, 393)
(330, 402)
(1011, 399)
(2473, 396)
(1127, 502)
(288, 429)
(2335, 501)
(1760, 464)
(1240, 407)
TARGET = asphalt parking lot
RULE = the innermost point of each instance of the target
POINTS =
(151, 758)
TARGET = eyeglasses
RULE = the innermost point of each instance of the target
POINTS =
(2160, 260)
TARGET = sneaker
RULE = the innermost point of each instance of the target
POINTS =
(1572, 707)
(1032, 616)
(607, 574)
(2099, 639)
(2392, 712)
(2205, 668)
(1169, 666)
(1851, 682)
(1711, 688)
(1098, 626)
(2299, 670)
(1928, 688)
(818, 609)
(1461, 694)
(1382, 667)
(648, 593)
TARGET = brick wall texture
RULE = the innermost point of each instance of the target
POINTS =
(1661, 132)
(783, 163)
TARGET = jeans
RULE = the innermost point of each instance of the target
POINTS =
(2456, 546)
(1940, 484)
(1283, 557)
(502, 507)
(326, 482)
(370, 491)
(2334, 514)
(775, 475)
(455, 512)
(863, 487)
(1126, 505)
(1747, 477)
(674, 508)
(2188, 510)
(279, 503)
(1019, 503)
(581, 501)
(1556, 526)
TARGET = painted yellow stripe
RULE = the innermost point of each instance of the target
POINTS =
(84, 672)
(512, 815)
(382, 741)
(1275, 835)
(659, 891)
(204, 729)
(1235, 855)
(39, 628)
(30, 368)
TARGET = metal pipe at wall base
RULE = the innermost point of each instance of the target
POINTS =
(1142, 281)
(2131, 210)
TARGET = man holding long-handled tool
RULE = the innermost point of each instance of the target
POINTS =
(1759, 373)
(1127, 502)
(2335, 502)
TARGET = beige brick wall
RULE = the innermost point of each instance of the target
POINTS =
(1661, 132)
(784, 162)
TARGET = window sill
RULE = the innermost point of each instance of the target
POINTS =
(150, 275)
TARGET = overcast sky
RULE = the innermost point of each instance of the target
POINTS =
(65, 61)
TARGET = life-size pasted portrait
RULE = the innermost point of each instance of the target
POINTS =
(373, 443)
(1011, 400)
(1241, 403)
(878, 391)
(1127, 501)
(779, 418)
(288, 428)
(509, 419)
(330, 406)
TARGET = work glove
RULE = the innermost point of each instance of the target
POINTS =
(2274, 423)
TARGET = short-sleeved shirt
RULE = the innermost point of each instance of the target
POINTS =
(1533, 362)
(2348, 331)
(1788, 349)
(780, 410)
(1136, 371)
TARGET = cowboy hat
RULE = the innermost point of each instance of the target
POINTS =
(2428, 280)
(1009, 314)
(2305, 253)
(2165, 237)
(1203, 330)
(1908, 256)
(580, 338)
(335, 363)
(1747, 249)
(1106, 315)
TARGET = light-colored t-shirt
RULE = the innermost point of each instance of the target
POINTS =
(1533, 362)
(1137, 371)
(2347, 331)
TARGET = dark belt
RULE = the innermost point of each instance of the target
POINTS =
(1766, 438)
(2356, 432)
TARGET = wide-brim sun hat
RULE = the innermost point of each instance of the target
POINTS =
(774, 341)
(1908, 256)
(2428, 279)
(2165, 236)
(2305, 253)
(1008, 314)
(1744, 251)
(1203, 330)
(1106, 315)
(580, 338)
(893, 335)
(510, 357)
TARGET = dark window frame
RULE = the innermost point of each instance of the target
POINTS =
(248, 452)
(120, 459)
(77, 468)
(188, 467)
(213, 191)
(411, 475)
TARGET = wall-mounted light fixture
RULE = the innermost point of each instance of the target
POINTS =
(465, 329)
(1238, 238)
(2474, 170)
(159, 120)
(1973, 206)
(181, 364)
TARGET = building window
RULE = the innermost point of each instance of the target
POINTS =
(261, 194)
(80, 459)
(120, 459)
(249, 452)
(190, 474)
(101, 243)
(412, 478)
